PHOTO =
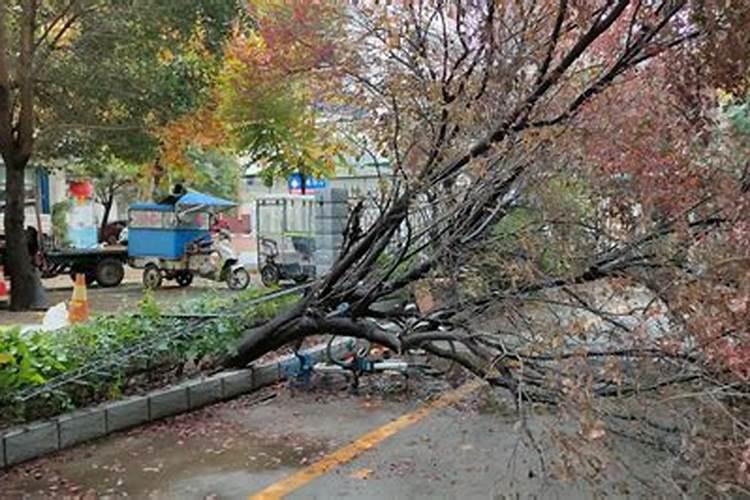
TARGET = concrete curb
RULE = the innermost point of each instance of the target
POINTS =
(41, 438)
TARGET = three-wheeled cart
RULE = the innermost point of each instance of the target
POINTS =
(173, 240)
(286, 238)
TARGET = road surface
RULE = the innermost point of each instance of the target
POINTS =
(319, 444)
(121, 298)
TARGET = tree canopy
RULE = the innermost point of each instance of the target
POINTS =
(77, 76)
(554, 155)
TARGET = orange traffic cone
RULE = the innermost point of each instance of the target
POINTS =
(4, 289)
(78, 311)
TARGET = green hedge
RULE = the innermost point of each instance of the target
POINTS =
(29, 360)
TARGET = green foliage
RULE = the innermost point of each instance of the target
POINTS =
(543, 236)
(513, 226)
(27, 360)
(739, 117)
(60, 212)
(31, 359)
(267, 91)
(111, 175)
(125, 68)
(148, 305)
(216, 173)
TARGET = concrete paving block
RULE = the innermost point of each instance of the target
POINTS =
(81, 426)
(237, 382)
(205, 392)
(127, 413)
(31, 442)
(168, 402)
(266, 374)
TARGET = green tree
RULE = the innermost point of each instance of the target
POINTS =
(112, 178)
(266, 98)
(268, 94)
(217, 172)
(79, 74)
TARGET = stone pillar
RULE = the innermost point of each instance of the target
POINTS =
(331, 216)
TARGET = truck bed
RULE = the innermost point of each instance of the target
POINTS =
(110, 251)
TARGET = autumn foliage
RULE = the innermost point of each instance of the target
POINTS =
(265, 98)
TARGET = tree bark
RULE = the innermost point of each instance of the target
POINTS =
(16, 143)
(300, 322)
(107, 202)
(18, 263)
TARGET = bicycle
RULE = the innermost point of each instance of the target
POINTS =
(365, 359)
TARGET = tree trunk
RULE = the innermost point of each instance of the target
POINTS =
(23, 277)
(107, 204)
(298, 323)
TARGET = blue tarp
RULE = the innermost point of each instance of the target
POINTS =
(189, 199)
(192, 198)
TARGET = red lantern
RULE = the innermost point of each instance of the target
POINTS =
(82, 190)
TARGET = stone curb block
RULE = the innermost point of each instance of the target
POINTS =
(205, 392)
(168, 402)
(30, 442)
(266, 374)
(237, 382)
(81, 426)
(37, 439)
(128, 413)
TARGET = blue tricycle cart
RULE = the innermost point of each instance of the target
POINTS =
(173, 240)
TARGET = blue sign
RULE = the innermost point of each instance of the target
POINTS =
(311, 183)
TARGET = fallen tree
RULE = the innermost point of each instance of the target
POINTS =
(472, 101)
(470, 89)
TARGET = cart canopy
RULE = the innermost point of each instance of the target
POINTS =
(194, 198)
(189, 199)
(152, 207)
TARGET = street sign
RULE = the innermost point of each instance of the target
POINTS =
(311, 184)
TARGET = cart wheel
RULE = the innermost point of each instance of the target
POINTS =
(184, 278)
(238, 279)
(151, 277)
(109, 273)
(269, 275)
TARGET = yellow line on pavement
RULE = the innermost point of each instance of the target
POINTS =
(362, 444)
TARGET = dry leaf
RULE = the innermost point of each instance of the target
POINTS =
(361, 474)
